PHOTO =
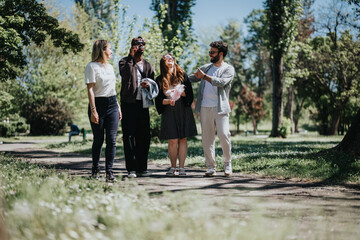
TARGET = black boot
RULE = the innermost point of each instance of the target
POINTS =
(95, 173)
(110, 177)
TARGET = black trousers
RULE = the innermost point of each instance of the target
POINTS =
(135, 124)
(108, 112)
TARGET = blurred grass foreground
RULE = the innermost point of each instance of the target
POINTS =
(41, 203)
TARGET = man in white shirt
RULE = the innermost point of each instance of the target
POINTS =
(213, 104)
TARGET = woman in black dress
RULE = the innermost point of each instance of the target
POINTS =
(174, 104)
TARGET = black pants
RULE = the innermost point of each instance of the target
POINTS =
(136, 135)
(108, 112)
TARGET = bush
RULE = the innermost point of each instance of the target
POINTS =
(47, 116)
(13, 127)
(7, 130)
(285, 127)
(155, 123)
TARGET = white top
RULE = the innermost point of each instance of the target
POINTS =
(104, 78)
(139, 77)
(210, 95)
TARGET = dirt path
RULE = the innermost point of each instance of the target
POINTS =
(337, 205)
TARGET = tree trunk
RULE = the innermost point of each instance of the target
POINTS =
(254, 124)
(277, 75)
(238, 123)
(290, 107)
(351, 142)
(335, 120)
(297, 114)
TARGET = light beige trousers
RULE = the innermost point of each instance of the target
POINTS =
(212, 122)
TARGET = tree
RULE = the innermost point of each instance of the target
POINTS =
(258, 76)
(175, 20)
(335, 74)
(230, 34)
(351, 142)
(297, 94)
(251, 105)
(283, 20)
(23, 22)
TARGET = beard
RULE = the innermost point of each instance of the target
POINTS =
(215, 59)
(138, 53)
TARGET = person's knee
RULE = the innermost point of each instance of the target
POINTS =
(172, 142)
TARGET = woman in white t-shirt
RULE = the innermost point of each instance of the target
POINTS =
(104, 110)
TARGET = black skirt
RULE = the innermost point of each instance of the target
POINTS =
(177, 122)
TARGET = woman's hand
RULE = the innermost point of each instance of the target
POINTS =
(170, 102)
(94, 117)
(120, 114)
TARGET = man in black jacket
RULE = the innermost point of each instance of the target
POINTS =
(136, 120)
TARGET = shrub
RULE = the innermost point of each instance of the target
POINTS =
(13, 127)
(47, 116)
(7, 130)
(285, 127)
(155, 123)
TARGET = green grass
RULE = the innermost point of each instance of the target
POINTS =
(292, 158)
(40, 203)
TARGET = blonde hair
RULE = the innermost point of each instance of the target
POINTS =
(98, 51)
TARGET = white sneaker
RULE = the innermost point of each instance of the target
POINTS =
(228, 169)
(132, 174)
(210, 172)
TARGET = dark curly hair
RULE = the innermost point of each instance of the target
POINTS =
(137, 39)
(221, 46)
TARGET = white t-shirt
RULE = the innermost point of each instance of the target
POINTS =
(104, 78)
(210, 95)
(139, 77)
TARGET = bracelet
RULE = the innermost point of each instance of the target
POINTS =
(92, 108)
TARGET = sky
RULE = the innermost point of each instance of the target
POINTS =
(207, 13)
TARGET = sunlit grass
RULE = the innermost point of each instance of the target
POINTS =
(293, 157)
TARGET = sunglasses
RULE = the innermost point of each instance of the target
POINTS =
(140, 43)
(169, 57)
(213, 52)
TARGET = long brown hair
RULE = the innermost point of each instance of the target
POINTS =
(170, 78)
(98, 51)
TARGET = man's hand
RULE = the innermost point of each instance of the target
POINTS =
(199, 74)
(133, 50)
(145, 84)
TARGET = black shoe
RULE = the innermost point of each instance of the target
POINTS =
(110, 177)
(143, 174)
(95, 173)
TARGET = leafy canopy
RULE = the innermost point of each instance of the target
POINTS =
(23, 22)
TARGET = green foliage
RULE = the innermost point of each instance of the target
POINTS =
(174, 18)
(285, 127)
(258, 75)
(283, 17)
(47, 116)
(155, 123)
(23, 22)
(12, 128)
(334, 78)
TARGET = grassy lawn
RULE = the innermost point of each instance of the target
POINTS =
(39, 203)
(291, 158)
